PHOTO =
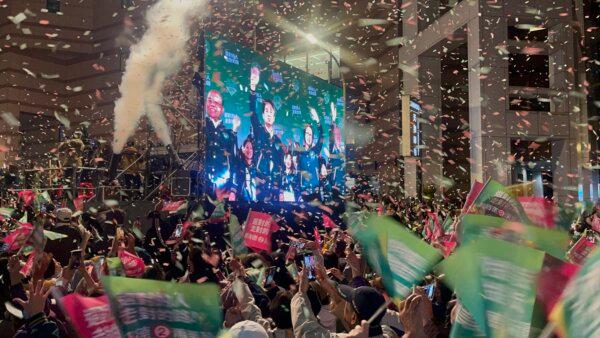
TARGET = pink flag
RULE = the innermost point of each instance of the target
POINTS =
(581, 250)
(475, 190)
(27, 196)
(79, 203)
(26, 269)
(17, 237)
(86, 189)
(132, 264)
(328, 223)
(438, 231)
(317, 236)
(552, 280)
(596, 223)
(448, 247)
(257, 235)
(539, 210)
(91, 317)
(172, 206)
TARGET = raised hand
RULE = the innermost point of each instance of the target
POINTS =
(314, 115)
(14, 267)
(333, 112)
(254, 78)
(36, 299)
(303, 281)
(236, 123)
(411, 315)
(361, 331)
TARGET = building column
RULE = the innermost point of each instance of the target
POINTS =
(430, 97)
(10, 139)
(488, 99)
(568, 165)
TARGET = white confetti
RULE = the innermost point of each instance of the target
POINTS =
(10, 119)
(17, 19)
(63, 120)
(29, 72)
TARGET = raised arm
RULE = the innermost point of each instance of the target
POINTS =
(317, 148)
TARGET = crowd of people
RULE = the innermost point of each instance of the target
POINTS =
(267, 293)
(287, 304)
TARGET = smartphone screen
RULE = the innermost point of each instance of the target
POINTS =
(178, 230)
(269, 276)
(76, 255)
(430, 290)
(309, 265)
(298, 245)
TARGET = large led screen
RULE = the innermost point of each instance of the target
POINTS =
(273, 132)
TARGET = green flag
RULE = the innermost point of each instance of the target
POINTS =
(6, 211)
(576, 314)
(51, 235)
(493, 200)
(399, 257)
(197, 214)
(496, 282)
(554, 242)
(236, 235)
(115, 266)
(164, 309)
(465, 326)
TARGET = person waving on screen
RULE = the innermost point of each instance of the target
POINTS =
(269, 148)
(220, 148)
(308, 156)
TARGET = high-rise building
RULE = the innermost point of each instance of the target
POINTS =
(500, 88)
(61, 64)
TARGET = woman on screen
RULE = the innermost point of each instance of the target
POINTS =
(246, 177)
(289, 180)
(308, 157)
(324, 182)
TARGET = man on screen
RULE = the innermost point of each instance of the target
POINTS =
(337, 156)
(268, 145)
(308, 157)
(220, 148)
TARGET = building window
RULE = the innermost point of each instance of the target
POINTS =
(521, 103)
(528, 70)
(53, 6)
(526, 33)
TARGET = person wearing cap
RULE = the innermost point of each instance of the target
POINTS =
(248, 329)
(76, 238)
(365, 301)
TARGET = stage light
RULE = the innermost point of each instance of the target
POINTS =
(311, 38)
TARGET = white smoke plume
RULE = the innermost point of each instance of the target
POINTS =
(155, 57)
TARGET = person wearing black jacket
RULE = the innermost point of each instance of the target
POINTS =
(269, 147)
(221, 148)
(246, 177)
(337, 155)
(308, 156)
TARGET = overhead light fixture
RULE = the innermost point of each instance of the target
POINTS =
(311, 38)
